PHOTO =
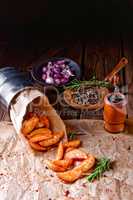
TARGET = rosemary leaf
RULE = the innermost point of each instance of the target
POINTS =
(101, 167)
(75, 84)
(71, 135)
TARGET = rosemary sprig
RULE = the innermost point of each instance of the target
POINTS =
(101, 167)
(75, 84)
(71, 135)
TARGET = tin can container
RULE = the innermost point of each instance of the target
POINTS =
(12, 81)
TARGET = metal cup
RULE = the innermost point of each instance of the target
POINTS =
(12, 81)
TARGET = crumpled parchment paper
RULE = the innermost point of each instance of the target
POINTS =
(25, 176)
(32, 99)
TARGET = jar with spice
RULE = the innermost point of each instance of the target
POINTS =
(115, 112)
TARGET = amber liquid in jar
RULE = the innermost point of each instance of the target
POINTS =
(115, 112)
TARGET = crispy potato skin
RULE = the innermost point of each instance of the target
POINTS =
(29, 125)
(63, 163)
(54, 140)
(76, 155)
(37, 147)
(36, 129)
(72, 175)
(55, 168)
(30, 115)
(72, 144)
(40, 137)
(43, 122)
(59, 165)
(60, 151)
(41, 131)
(69, 149)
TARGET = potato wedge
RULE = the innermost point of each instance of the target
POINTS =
(60, 151)
(54, 140)
(73, 144)
(72, 175)
(63, 163)
(43, 122)
(69, 149)
(40, 137)
(44, 131)
(29, 115)
(37, 147)
(76, 155)
(55, 168)
(29, 125)
(59, 165)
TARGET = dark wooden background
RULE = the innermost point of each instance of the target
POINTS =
(95, 34)
(95, 57)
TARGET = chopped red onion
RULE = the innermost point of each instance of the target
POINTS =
(49, 66)
(58, 76)
(51, 74)
(44, 76)
(68, 72)
(67, 76)
(57, 72)
(64, 80)
(49, 80)
(57, 81)
(63, 66)
(44, 69)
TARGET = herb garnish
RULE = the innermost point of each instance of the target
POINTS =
(102, 165)
(71, 135)
(75, 84)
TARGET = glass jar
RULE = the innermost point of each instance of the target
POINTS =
(115, 112)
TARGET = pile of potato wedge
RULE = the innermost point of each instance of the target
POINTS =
(37, 130)
(71, 162)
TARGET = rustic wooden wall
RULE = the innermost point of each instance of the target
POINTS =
(95, 55)
(128, 51)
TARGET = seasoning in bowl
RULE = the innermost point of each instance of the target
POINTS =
(57, 72)
(86, 95)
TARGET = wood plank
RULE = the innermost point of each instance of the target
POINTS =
(71, 50)
(128, 51)
(100, 57)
